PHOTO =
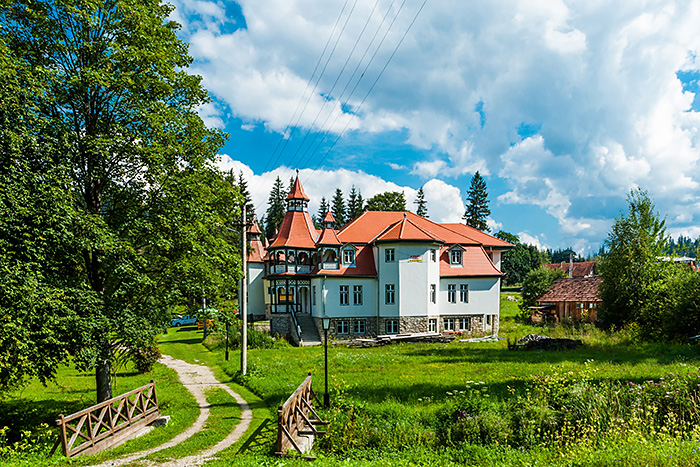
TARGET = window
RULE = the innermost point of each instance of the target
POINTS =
(344, 295)
(456, 257)
(341, 327)
(348, 256)
(357, 295)
(488, 320)
(389, 255)
(392, 326)
(432, 325)
(452, 293)
(314, 295)
(433, 255)
(390, 293)
(360, 326)
(464, 324)
(432, 293)
(464, 293)
(449, 324)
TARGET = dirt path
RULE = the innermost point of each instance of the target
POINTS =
(197, 379)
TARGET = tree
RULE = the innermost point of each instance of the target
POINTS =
(243, 190)
(354, 205)
(147, 204)
(422, 205)
(322, 210)
(338, 209)
(477, 204)
(536, 283)
(275, 209)
(387, 201)
(631, 270)
(519, 261)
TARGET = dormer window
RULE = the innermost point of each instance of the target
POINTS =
(456, 257)
(349, 257)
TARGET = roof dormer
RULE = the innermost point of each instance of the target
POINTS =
(456, 255)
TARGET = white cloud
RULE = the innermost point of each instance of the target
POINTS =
(535, 240)
(597, 80)
(444, 201)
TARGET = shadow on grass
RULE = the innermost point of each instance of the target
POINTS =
(195, 340)
(261, 441)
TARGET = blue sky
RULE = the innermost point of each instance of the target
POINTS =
(562, 106)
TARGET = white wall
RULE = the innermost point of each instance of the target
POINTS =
(484, 296)
(331, 290)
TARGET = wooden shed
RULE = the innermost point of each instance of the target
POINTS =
(576, 299)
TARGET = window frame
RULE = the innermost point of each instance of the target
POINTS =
(464, 324)
(432, 325)
(342, 327)
(464, 293)
(390, 255)
(348, 256)
(357, 293)
(390, 294)
(456, 257)
(448, 324)
(391, 326)
(452, 293)
(433, 255)
(344, 295)
(433, 293)
(360, 326)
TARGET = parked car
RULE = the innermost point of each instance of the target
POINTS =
(186, 320)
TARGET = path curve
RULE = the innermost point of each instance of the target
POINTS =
(197, 379)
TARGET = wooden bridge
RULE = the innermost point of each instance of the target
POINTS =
(296, 418)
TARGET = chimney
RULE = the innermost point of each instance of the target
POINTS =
(571, 265)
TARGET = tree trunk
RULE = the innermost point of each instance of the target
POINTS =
(103, 378)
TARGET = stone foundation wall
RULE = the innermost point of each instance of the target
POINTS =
(281, 324)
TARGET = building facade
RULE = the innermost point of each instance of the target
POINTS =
(382, 273)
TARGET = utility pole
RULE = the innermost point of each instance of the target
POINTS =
(243, 295)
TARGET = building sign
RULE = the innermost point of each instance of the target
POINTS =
(415, 259)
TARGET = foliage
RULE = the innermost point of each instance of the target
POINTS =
(520, 260)
(477, 209)
(338, 209)
(633, 276)
(355, 203)
(242, 185)
(323, 209)
(421, 204)
(387, 201)
(275, 209)
(148, 201)
(537, 282)
(682, 246)
(563, 256)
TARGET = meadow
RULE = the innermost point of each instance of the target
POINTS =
(614, 401)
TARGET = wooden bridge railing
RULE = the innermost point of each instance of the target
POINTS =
(107, 423)
(297, 417)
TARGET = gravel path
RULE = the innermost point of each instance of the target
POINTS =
(197, 379)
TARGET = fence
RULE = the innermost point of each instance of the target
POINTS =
(297, 417)
(107, 423)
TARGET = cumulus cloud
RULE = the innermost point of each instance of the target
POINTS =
(444, 201)
(597, 80)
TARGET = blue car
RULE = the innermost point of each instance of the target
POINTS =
(186, 320)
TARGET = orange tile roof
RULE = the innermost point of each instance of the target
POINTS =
(254, 229)
(364, 265)
(406, 229)
(328, 237)
(256, 252)
(580, 289)
(297, 230)
(328, 218)
(475, 262)
(580, 269)
(478, 236)
(297, 191)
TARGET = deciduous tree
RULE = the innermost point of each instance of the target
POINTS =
(387, 201)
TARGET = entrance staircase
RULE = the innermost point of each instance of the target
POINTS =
(309, 332)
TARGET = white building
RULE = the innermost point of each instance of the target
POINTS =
(382, 273)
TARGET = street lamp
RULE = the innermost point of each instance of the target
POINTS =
(326, 323)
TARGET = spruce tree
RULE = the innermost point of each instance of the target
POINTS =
(243, 188)
(275, 208)
(477, 204)
(322, 210)
(422, 205)
(352, 208)
(338, 209)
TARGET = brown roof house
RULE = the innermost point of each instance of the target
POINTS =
(576, 299)
(579, 269)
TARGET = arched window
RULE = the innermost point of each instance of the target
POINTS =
(303, 258)
(280, 257)
(330, 256)
(290, 257)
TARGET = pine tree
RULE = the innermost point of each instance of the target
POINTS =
(275, 208)
(477, 204)
(291, 185)
(354, 208)
(338, 209)
(322, 210)
(422, 209)
(360, 205)
(243, 188)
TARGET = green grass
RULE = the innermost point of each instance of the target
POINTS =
(29, 408)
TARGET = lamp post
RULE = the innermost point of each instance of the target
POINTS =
(326, 323)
